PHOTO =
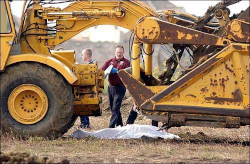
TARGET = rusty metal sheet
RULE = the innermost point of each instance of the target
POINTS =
(239, 31)
(157, 116)
(203, 110)
(242, 48)
(205, 124)
(205, 117)
(184, 119)
(171, 33)
(139, 91)
(232, 122)
(237, 97)
(155, 31)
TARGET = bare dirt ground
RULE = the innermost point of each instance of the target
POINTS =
(197, 145)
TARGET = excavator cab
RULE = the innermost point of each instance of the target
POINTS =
(7, 33)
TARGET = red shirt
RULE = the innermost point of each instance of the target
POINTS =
(119, 64)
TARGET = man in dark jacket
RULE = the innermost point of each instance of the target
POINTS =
(116, 89)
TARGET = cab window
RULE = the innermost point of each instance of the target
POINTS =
(4, 19)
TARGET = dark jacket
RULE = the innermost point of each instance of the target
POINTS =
(119, 64)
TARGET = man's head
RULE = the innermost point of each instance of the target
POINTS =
(86, 54)
(119, 52)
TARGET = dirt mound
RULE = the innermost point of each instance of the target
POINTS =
(27, 158)
(201, 138)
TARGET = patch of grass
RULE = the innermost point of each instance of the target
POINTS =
(210, 156)
(103, 150)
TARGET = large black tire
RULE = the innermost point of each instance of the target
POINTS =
(58, 118)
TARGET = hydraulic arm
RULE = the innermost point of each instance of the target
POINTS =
(78, 16)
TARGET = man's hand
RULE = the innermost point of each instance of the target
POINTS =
(135, 108)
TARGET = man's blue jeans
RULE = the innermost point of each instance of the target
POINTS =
(84, 120)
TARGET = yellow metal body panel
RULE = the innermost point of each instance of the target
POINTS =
(86, 74)
(28, 104)
(157, 89)
(136, 61)
(66, 57)
(87, 88)
(88, 99)
(148, 60)
(223, 84)
(47, 60)
(7, 33)
(33, 27)
(29, 41)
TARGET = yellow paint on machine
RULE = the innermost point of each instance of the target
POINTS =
(224, 84)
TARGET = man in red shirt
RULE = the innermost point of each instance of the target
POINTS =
(116, 89)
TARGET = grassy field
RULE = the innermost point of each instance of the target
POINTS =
(197, 145)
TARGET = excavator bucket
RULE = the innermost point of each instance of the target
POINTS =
(214, 94)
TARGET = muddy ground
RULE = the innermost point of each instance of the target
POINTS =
(197, 145)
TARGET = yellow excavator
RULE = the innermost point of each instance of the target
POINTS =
(43, 91)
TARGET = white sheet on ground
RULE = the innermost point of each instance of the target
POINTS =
(125, 132)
